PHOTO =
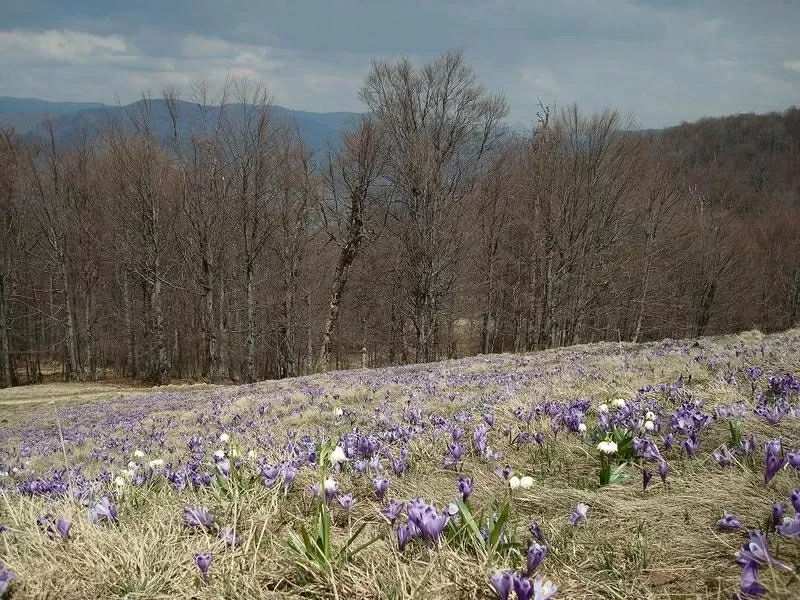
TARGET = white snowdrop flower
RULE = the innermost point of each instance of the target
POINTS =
(607, 447)
(526, 482)
(156, 463)
(119, 481)
(219, 454)
(582, 427)
(224, 438)
(649, 426)
(650, 416)
(252, 455)
(331, 485)
(138, 454)
(514, 482)
(618, 403)
(338, 456)
(602, 409)
(338, 411)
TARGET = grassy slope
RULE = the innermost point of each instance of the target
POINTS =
(660, 544)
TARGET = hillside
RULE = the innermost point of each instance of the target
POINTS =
(72, 119)
(450, 480)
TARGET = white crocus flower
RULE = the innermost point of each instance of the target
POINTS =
(582, 427)
(514, 482)
(649, 425)
(138, 454)
(252, 455)
(132, 466)
(650, 416)
(119, 482)
(338, 456)
(331, 485)
(618, 403)
(338, 412)
(224, 438)
(219, 454)
(602, 409)
(526, 482)
(607, 447)
(156, 463)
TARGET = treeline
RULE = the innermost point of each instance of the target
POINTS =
(229, 251)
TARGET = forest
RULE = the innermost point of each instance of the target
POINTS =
(229, 251)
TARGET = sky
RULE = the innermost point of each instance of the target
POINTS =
(659, 61)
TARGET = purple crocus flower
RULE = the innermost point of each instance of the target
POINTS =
(381, 486)
(465, 485)
(796, 499)
(203, 562)
(489, 419)
(756, 550)
(790, 527)
(289, 475)
(457, 434)
(502, 582)
(749, 584)
(54, 528)
(748, 445)
(6, 577)
(456, 450)
(772, 464)
(723, 456)
(523, 588)
(539, 438)
(730, 521)
(778, 510)
(406, 533)
(105, 510)
(197, 517)
(579, 514)
(663, 469)
(536, 554)
(772, 447)
(393, 510)
(793, 458)
(646, 477)
(536, 531)
(346, 501)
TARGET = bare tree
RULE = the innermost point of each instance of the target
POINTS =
(440, 124)
(356, 195)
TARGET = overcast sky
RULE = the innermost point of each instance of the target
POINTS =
(662, 61)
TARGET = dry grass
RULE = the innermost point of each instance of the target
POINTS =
(658, 544)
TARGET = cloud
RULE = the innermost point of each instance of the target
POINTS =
(663, 60)
(541, 79)
(794, 65)
(65, 46)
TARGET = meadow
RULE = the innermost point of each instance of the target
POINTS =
(629, 471)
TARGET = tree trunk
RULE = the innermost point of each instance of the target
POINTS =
(251, 325)
(5, 341)
(131, 369)
(160, 370)
(73, 372)
(223, 371)
(339, 281)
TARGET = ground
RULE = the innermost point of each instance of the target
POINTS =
(64, 447)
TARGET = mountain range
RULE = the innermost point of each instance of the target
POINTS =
(72, 120)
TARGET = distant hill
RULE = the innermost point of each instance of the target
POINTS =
(74, 119)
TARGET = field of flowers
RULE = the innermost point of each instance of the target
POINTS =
(663, 470)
